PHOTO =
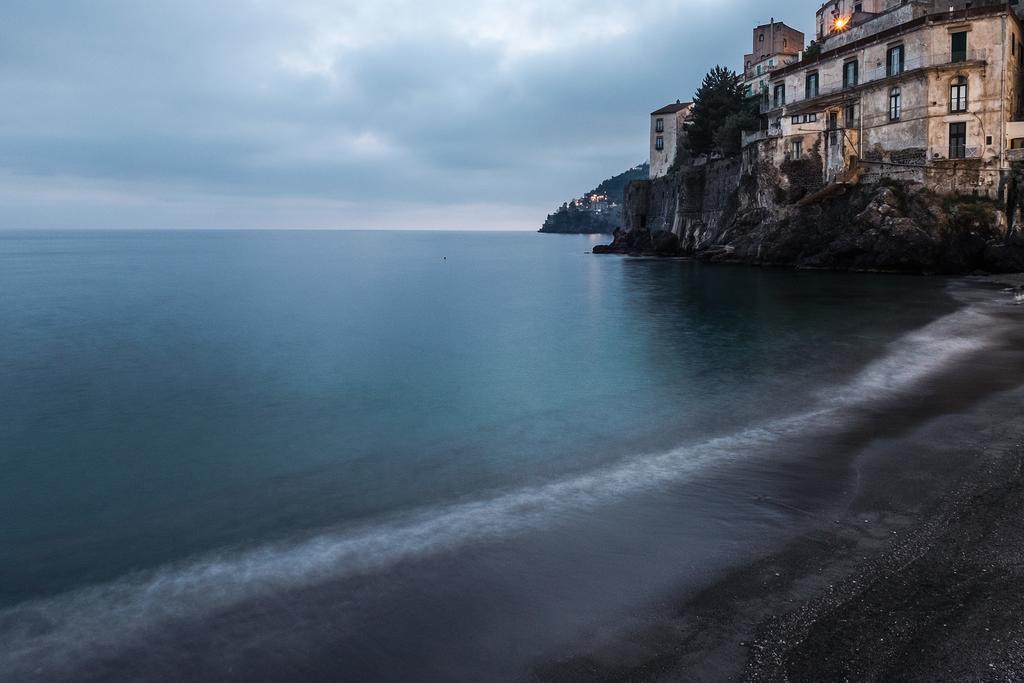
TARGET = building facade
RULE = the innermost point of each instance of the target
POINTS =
(908, 92)
(774, 45)
(837, 16)
(668, 136)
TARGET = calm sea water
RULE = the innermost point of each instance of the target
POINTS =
(399, 455)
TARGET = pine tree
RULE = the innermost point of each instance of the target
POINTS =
(719, 97)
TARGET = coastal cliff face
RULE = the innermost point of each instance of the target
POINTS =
(743, 211)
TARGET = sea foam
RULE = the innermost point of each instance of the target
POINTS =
(48, 637)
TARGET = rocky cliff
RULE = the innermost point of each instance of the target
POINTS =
(735, 211)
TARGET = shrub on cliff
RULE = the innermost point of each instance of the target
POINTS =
(813, 50)
(719, 97)
(728, 137)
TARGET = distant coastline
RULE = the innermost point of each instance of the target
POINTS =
(597, 212)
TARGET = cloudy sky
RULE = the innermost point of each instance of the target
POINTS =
(455, 114)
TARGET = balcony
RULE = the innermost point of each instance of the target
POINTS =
(751, 74)
(758, 135)
(880, 72)
(1015, 130)
(827, 88)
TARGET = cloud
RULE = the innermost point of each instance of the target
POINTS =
(184, 113)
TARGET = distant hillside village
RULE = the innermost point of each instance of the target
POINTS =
(893, 141)
(900, 88)
(597, 212)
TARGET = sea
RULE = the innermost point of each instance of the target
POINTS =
(411, 455)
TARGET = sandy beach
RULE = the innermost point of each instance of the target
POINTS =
(919, 577)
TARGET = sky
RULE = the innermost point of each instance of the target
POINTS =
(320, 114)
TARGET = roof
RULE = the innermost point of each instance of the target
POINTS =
(782, 24)
(672, 108)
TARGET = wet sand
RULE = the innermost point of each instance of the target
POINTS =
(919, 578)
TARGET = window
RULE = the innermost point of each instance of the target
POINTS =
(760, 38)
(758, 69)
(659, 143)
(798, 149)
(796, 120)
(811, 85)
(849, 74)
(785, 43)
(850, 116)
(957, 140)
(894, 61)
(958, 46)
(811, 118)
(895, 104)
(780, 95)
(859, 7)
(833, 125)
(958, 94)
(659, 125)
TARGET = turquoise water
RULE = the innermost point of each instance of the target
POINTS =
(398, 454)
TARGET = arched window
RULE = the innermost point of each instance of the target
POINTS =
(958, 94)
(895, 104)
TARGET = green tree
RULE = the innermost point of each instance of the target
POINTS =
(720, 96)
(813, 50)
(728, 137)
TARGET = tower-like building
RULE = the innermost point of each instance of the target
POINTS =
(775, 45)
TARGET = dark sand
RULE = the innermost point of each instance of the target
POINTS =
(919, 578)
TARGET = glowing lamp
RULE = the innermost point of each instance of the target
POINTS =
(841, 23)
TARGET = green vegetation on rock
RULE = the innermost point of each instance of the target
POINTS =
(598, 211)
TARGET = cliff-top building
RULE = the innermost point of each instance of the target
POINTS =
(774, 45)
(668, 134)
(837, 16)
(905, 89)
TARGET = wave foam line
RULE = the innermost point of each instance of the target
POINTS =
(103, 619)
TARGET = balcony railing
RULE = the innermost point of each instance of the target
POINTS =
(921, 62)
(969, 153)
(826, 88)
(758, 135)
(751, 74)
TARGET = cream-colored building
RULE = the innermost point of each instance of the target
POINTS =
(909, 92)
(836, 16)
(667, 136)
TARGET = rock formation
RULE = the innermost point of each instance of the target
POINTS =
(740, 211)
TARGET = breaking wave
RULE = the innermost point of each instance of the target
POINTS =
(67, 630)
